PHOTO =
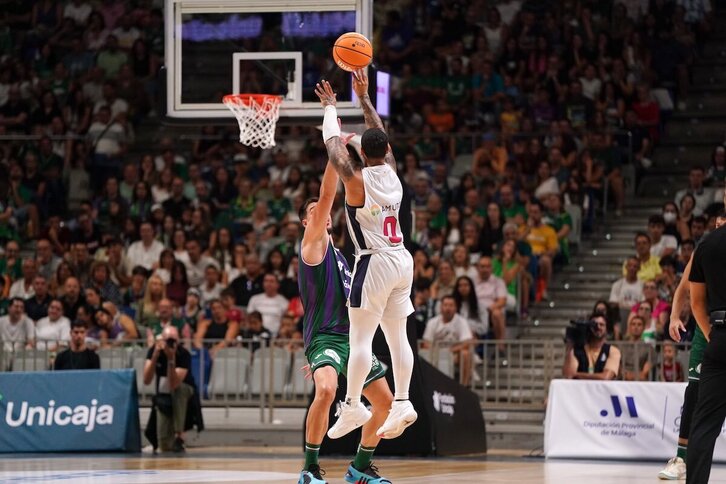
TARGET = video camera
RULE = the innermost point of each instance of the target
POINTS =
(579, 331)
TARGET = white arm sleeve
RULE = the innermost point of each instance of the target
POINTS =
(330, 123)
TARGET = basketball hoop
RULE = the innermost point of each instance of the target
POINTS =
(257, 115)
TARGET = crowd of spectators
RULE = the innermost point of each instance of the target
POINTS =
(552, 103)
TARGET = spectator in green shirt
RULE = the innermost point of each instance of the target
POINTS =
(111, 58)
(512, 210)
(11, 263)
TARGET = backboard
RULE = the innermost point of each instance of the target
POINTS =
(283, 47)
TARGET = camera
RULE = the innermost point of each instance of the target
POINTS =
(579, 331)
(170, 342)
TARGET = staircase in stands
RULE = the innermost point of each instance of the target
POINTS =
(689, 138)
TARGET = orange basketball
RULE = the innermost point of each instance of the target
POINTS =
(352, 51)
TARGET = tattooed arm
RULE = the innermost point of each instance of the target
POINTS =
(372, 119)
(338, 155)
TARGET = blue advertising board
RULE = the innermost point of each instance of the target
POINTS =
(62, 411)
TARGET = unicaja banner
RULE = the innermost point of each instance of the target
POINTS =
(60, 411)
(615, 420)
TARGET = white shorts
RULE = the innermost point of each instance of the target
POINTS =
(382, 284)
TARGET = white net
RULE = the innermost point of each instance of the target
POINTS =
(257, 115)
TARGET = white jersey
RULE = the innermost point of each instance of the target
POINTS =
(375, 225)
(383, 271)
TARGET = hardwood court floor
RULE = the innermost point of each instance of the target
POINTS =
(273, 466)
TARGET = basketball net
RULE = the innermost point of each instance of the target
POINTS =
(257, 115)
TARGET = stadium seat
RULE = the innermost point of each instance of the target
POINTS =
(441, 358)
(445, 361)
(229, 372)
(114, 358)
(260, 375)
(31, 360)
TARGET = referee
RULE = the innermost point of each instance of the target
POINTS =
(708, 305)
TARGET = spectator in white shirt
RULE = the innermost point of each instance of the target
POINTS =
(110, 99)
(491, 294)
(270, 303)
(53, 330)
(126, 33)
(78, 10)
(144, 252)
(702, 195)
(197, 263)
(591, 84)
(628, 291)
(17, 331)
(450, 328)
(211, 288)
(661, 245)
(107, 136)
(23, 287)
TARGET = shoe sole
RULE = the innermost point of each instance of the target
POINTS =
(666, 477)
(399, 430)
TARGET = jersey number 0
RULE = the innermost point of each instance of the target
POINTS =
(389, 229)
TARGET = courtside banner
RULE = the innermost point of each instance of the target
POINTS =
(60, 411)
(615, 420)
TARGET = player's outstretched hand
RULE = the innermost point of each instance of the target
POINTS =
(325, 92)
(307, 374)
(360, 82)
(675, 327)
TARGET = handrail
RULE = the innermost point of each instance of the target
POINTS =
(518, 377)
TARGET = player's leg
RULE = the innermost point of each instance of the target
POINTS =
(326, 383)
(379, 395)
(708, 420)
(326, 355)
(676, 467)
(394, 322)
(353, 414)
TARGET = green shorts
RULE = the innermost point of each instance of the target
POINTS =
(698, 346)
(334, 350)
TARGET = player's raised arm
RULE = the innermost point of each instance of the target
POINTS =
(317, 219)
(338, 155)
(372, 119)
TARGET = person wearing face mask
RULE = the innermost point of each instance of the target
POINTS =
(670, 217)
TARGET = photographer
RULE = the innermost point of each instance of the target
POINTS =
(171, 363)
(590, 357)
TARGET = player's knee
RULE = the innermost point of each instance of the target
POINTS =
(325, 392)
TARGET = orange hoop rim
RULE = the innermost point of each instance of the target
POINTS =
(245, 98)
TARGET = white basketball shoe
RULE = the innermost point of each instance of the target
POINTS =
(350, 417)
(675, 470)
(401, 415)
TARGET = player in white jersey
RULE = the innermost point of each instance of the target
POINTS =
(383, 274)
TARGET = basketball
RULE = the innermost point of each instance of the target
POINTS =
(352, 51)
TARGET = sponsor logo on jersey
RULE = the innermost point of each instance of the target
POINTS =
(375, 210)
(333, 354)
(391, 208)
